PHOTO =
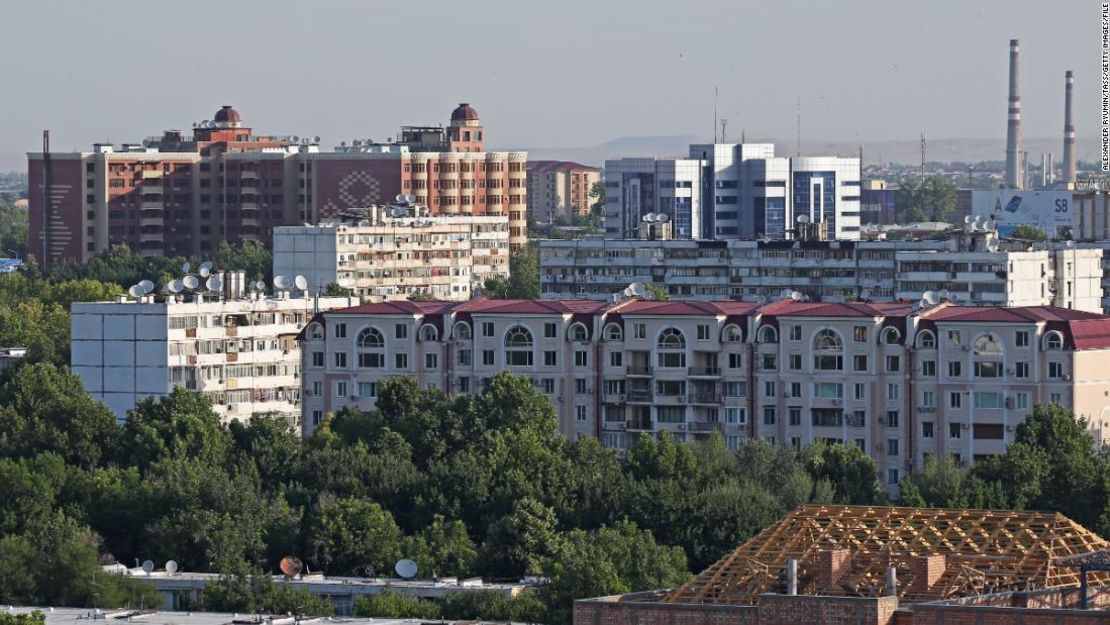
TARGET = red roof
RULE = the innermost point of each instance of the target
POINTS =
(533, 306)
(401, 307)
(544, 166)
(1089, 334)
(789, 308)
(464, 112)
(226, 114)
(684, 307)
(1016, 314)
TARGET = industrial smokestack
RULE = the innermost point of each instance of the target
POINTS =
(1069, 132)
(1014, 177)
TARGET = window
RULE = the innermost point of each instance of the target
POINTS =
(464, 385)
(988, 345)
(1021, 370)
(548, 385)
(795, 333)
(859, 363)
(954, 368)
(768, 334)
(795, 362)
(955, 399)
(768, 415)
(860, 390)
(928, 399)
(891, 336)
(431, 361)
(613, 332)
(400, 331)
(929, 368)
(341, 359)
(578, 332)
(401, 361)
(1056, 370)
(317, 359)
(732, 334)
(670, 414)
(580, 413)
(580, 386)
(768, 362)
(340, 330)
(795, 416)
(795, 389)
(927, 429)
(1021, 338)
(988, 369)
(367, 389)
(732, 442)
(735, 389)
(954, 430)
(825, 362)
(315, 332)
(639, 330)
(893, 364)
(703, 332)
(671, 348)
(859, 334)
(340, 389)
(466, 357)
(549, 331)
(1056, 398)
(892, 418)
(616, 359)
(462, 331)
(371, 360)
(734, 361)
(580, 358)
(828, 390)
(892, 392)
(317, 417)
(736, 416)
(989, 431)
(827, 340)
(955, 338)
(487, 329)
(370, 338)
(1053, 341)
(550, 358)
(857, 419)
(892, 476)
(487, 357)
(1021, 401)
(769, 389)
(892, 446)
(926, 340)
(518, 347)
(317, 389)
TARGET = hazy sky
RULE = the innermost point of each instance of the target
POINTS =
(541, 73)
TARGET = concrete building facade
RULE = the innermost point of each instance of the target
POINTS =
(899, 382)
(560, 189)
(240, 352)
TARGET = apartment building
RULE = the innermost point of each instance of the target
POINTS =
(239, 351)
(971, 270)
(394, 252)
(181, 193)
(560, 189)
(900, 381)
(742, 190)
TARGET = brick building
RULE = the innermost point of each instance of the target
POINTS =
(560, 189)
(182, 193)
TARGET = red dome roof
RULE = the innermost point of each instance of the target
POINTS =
(464, 112)
(226, 114)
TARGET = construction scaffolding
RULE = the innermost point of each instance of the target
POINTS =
(984, 551)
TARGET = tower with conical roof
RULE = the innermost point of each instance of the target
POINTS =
(465, 132)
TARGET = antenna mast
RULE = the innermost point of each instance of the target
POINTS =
(798, 136)
(715, 92)
(922, 158)
(724, 134)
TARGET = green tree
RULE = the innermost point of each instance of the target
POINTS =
(395, 605)
(179, 425)
(933, 199)
(353, 537)
(1027, 232)
(519, 543)
(851, 472)
(13, 231)
(257, 592)
(656, 292)
(442, 548)
(524, 274)
(334, 290)
(495, 287)
(492, 605)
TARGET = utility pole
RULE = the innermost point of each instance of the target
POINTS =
(922, 158)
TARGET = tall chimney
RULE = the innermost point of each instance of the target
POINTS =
(1069, 132)
(1014, 178)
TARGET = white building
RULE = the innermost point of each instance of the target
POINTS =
(241, 353)
(383, 257)
(725, 191)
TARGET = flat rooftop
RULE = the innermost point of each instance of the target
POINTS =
(72, 616)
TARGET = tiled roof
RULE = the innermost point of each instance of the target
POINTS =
(401, 307)
(1017, 314)
(533, 306)
(787, 308)
(649, 307)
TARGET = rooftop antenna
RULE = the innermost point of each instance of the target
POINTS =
(214, 283)
(136, 291)
(923, 157)
(281, 283)
(724, 133)
(716, 90)
(798, 136)
(301, 283)
(405, 568)
(171, 567)
(190, 282)
(147, 285)
(186, 267)
(148, 566)
(205, 268)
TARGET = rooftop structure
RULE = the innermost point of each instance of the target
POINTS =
(560, 189)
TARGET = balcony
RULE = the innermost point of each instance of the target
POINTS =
(151, 205)
(705, 427)
(151, 174)
(639, 397)
(613, 398)
(705, 372)
(248, 174)
(145, 237)
(705, 398)
(614, 425)
(670, 400)
(150, 221)
(642, 371)
(639, 425)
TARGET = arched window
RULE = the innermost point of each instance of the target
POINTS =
(578, 332)
(768, 334)
(988, 345)
(462, 331)
(613, 332)
(891, 336)
(671, 348)
(315, 332)
(827, 348)
(927, 340)
(370, 337)
(518, 347)
(732, 334)
(1053, 341)
(371, 348)
(428, 332)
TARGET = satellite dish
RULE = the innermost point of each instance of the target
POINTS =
(296, 138)
(147, 285)
(663, 218)
(405, 568)
(646, 217)
(186, 267)
(803, 219)
(171, 567)
(627, 292)
(136, 291)
(967, 219)
(214, 283)
(316, 139)
(291, 566)
(929, 297)
(191, 282)
(796, 296)
(397, 211)
(175, 286)
(400, 198)
(301, 283)
(148, 566)
(865, 294)
(786, 294)
(260, 285)
(206, 268)
(281, 282)
(943, 294)
(637, 288)
(410, 198)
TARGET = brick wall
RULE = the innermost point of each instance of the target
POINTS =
(609, 611)
(832, 566)
(927, 570)
(805, 609)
